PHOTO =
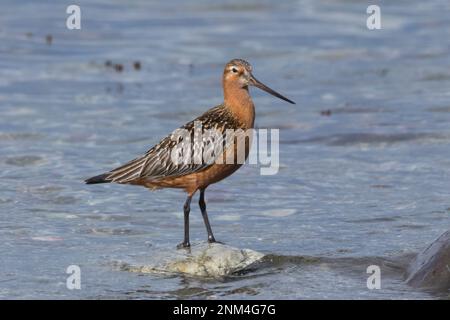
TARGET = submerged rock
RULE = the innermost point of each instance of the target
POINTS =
(202, 259)
(430, 269)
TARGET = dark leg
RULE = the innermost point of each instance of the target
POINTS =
(202, 205)
(186, 209)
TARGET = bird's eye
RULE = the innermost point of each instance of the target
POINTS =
(234, 70)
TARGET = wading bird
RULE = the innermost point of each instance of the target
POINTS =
(156, 168)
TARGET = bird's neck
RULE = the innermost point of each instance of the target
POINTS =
(239, 102)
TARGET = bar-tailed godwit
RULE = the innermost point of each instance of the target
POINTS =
(157, 169)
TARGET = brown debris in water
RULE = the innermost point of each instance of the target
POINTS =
(137, 65)
(118, 67)
(49, 39)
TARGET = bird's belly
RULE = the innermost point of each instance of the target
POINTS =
(194, 181)
(215, 173)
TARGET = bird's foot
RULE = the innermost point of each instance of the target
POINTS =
(213, 240)
(184, 245)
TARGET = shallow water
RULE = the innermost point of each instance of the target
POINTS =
(364, 176)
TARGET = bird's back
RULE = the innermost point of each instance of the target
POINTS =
(157, 163)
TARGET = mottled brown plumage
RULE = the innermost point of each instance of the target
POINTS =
(156, 168)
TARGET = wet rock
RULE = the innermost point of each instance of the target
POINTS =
(202, 259)
(430, 269)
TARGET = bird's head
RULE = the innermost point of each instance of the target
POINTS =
(239, 72)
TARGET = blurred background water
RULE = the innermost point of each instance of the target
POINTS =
(365, 158)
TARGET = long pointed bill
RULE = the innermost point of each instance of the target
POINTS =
(262, 86)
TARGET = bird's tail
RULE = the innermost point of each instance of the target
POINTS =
(101, 178)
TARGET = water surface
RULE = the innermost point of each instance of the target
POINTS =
(364, 176)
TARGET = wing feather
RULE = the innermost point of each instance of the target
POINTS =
(157, 162)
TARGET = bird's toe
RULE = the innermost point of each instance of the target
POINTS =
(184, 245)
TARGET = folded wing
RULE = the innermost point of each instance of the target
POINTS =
(159, 162)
